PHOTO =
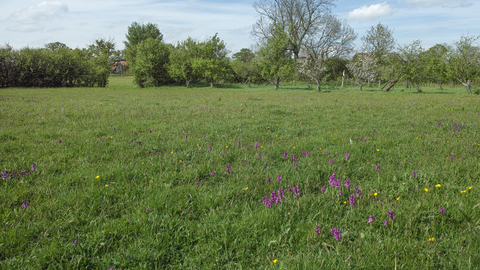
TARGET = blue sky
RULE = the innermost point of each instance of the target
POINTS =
(77, 23)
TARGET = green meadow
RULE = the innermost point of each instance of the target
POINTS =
(171, 178)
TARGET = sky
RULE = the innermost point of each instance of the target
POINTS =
(35, 23)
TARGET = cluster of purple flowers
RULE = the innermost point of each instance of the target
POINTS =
(334, 181)
(347, 156)
(322, 189)
(4, 175)
(274, 198)
(229, 167)
(295, 164)
(351, 201)
(358, 192)
(317, 230)
(149, 131)
(295, 190)
(25, 204)
(285, 154)
(246, 147)
(213, 173)
(259, 155)
(279, 178)
(414, 174)
(34, 167)
(239, 143)
(257, 146)
(347, 184)
(331, 162)
(209, 148)
(371, 219)
(442, 209)
(336, 232)
(390, 214)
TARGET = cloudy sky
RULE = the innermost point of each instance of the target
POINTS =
(77, 23)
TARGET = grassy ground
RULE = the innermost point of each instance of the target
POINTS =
(137, 178)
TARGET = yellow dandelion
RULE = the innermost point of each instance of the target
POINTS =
(246, 188)
(431, 239)
(375, 194)
(171, 152)
(378, 150)
(398, 198)
(261, 146)
(276, 135)
(438, 185)
(142, 162)
(403, 184)
(226, 146)
(469, 188)
(345, 202)
(197, 144)
(106, 185)
(111, 137)
(180, 161)
(275, 261)
(289, 213)
(150, 181)
(426, 189)
(463, 191)
(98, 176)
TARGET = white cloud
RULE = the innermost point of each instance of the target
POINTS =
(372, 12)
(43, 11)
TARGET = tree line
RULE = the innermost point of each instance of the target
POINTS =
(298, 40)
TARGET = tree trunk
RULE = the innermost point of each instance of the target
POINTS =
(368, 83)
(392, 84)
(453, 84)
(276, 82)
(379, 83)
(418, 87)
(187, 82)
(468, 85)
(308, 85)
(318, 86)
(343, 78)
(441, 84)
(361, 84)
(248, 83)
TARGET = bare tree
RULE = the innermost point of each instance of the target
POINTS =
(378, 41)
(364, 68)
(300, 18)
(332, 39)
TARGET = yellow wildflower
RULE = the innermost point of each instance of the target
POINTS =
(426, 189)
(98, 176)
(275, 261)
(431, 239)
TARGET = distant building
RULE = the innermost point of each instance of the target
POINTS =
(119, 67)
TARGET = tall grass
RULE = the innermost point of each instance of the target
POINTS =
(112, 194)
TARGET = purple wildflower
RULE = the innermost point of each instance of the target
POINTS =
(210, 148)
(239, 143)
(391, 214)
(228, 168)
(347, 156)
(244, 162)
(374, 130)
(339, 193)
(148, 208)
(386, 222)
(301, 123)
(280, 193)
(322, 189)
(296, 192)
(279, 178)
(326, 153)
(4, 175)
(336, 232)
(199, 183)
(267, 202)
(74, 242)
(285, 154)
(414, 174)
(186, 137)
(358, 192)
(451, 158)
(294, 157)
(269, 179)
(223, 152)
(331, 162)
(352, 200)
(442, 209)
(59, 141)
(377, 167)
(273, 196)
(246, 147)
(25, 204)
(149, 131)
(317, 230)
(307, 152)
(295, 163)
(334, 181)
(259, 155)
(347, 184)
(440, 124)
(213, 173)
(257, 146)
(34, 168)
(266, 165)
(371, 219)
(303, 154)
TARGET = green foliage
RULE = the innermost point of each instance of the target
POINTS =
(137, 33)
(274, 59)
(181, 59)
(151, 60)
(436, 63)
(52, 67)
(464, 61)
(212, 63)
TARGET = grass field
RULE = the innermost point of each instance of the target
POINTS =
(171, 178)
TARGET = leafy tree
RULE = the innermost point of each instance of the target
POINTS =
(274, 59)
(53, 46)
(464, 61)
(137, 33)
(103, 48)
(212, 63)
(413, 64)
(378, 41)
(151, 61)
(244, 65)
(436, 63)
(181, 59)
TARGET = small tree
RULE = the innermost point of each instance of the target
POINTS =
(413, 64)
(363, 68)
(244, 66)
(136, 34)
(151, 59)
(274, 59)
(212, 63)
(464, 61)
